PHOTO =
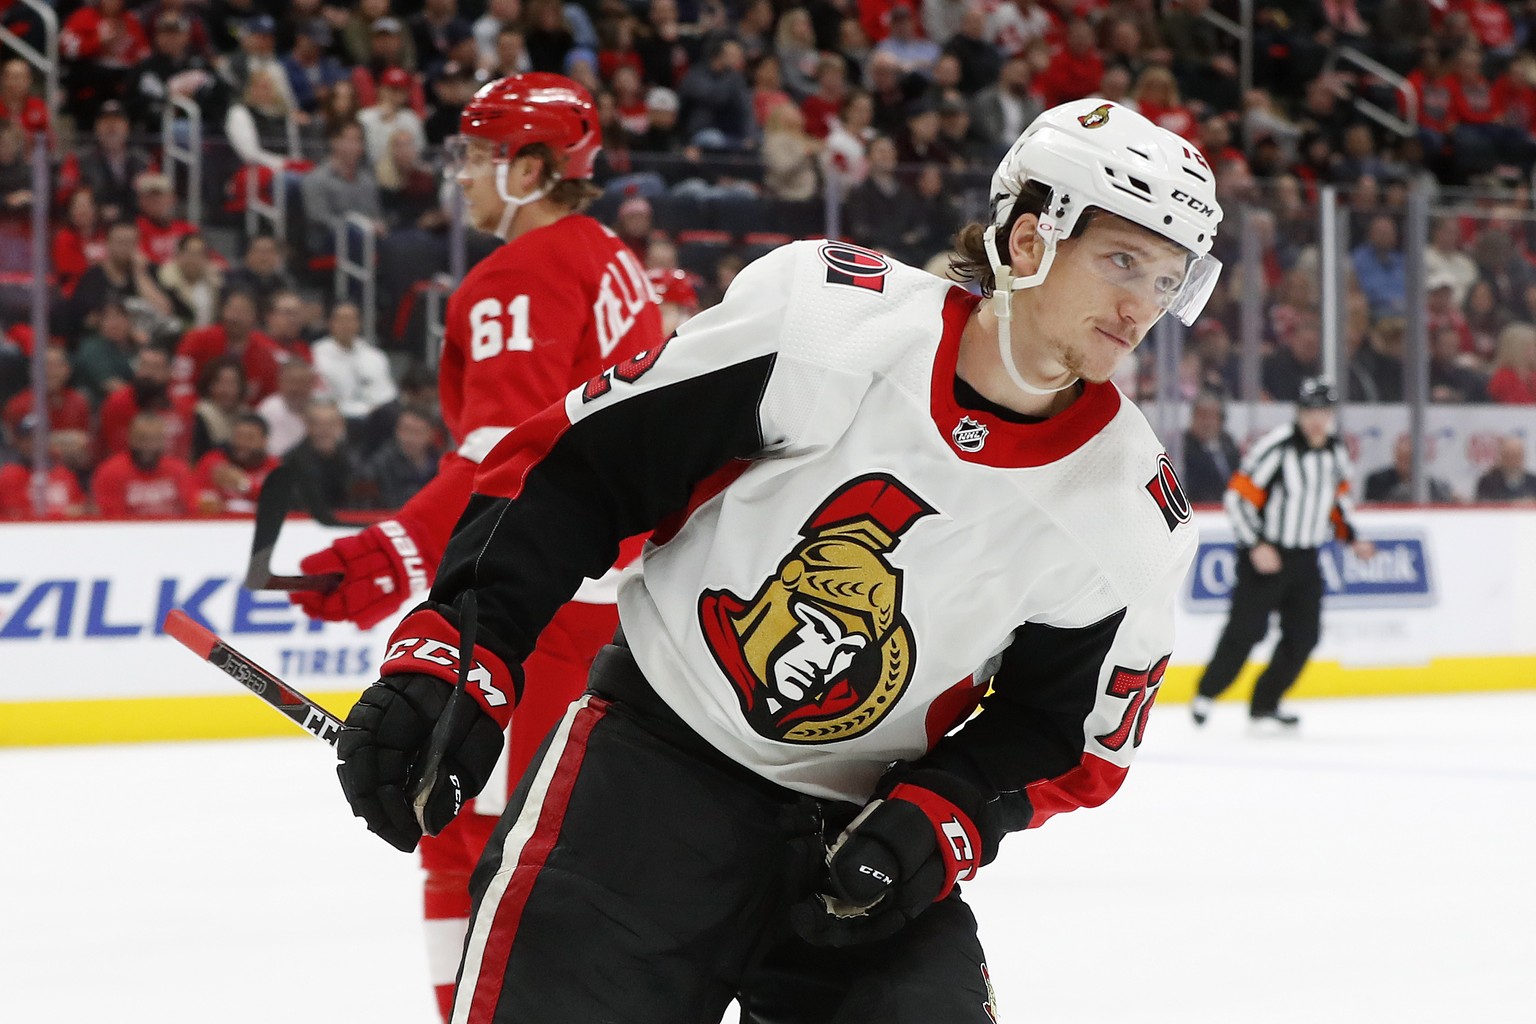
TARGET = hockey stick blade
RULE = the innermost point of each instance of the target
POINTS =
(299, 709)
(272, 508)
(459, 704)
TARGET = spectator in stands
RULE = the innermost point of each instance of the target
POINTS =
(407, 462)
(388, 47)
(1211, 455)
(634, 224)
(1445, 260)
(103, 359)
(1482, 139)
(822, 105)
(664, 50)
(1450, 378)
(284, 409)
(1502, 266)
(351, 369)
(144, 482)
(1376, 372)
(725, 272)
(1486, 318)
(1514, 368)
(221, 391)
(159, 228)
(1157, 97)
(109, 167)
(311, 68)
(284, 324)
(846, 154)
(1395, 482)
(17, 103)
(980, 62)
(1014, 26)
(767, 89)
(234, 335)
(338, 107)
(79, 242)
(892, 92)
(193, 282)
(261, 273)
(717, 101)
(408, 189)
(511, 55)
(546, 35)
(1381, 268)
(1075, 70)
(62, 496)
(662, 134)
(800, 62)
(124, 274)
(324, 464)
(435, 30)
(257, 54)
(340, 186)
(790, 156)
(261, 129)
(146, 390)
(230, 477)
(1202, 55)
(1003, 110)
(100, 43)
(15, 174)
(68, 409)
(173, 69)
(919, 142)
(452, 89)
(878, 212)
(911, 52)
(934, 213)
(958, 135)
(390, 114)
(1508, 480)
(1298, 357)
(498, 14)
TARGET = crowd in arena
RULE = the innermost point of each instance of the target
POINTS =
(187, 359)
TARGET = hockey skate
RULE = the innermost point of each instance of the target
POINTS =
(1200, 709)
(1279, 722)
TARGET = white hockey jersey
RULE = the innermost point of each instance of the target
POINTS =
(845, 556)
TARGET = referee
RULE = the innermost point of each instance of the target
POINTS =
(1290, 497)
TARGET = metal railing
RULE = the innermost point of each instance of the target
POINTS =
(258, 209)
(46, 61)
(40, 260)
(190, 155)
(436, 298)
(361, 271)
(1242, 31)
(1404, 126)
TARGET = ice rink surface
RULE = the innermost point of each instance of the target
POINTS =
(1379, 868)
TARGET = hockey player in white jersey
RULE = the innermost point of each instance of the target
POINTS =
(873, 497)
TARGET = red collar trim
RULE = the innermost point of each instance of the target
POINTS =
(1009, 445)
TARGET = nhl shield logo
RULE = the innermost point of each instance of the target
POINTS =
(1098, 117)
(969, 435)
(822, 652)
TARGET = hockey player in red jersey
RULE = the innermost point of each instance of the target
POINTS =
(878, 502)
(563, 299)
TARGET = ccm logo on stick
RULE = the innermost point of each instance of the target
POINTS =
(438, 653)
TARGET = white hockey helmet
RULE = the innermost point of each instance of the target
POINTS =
(1094, 153)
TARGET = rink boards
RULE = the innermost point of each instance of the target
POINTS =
(1447, 605)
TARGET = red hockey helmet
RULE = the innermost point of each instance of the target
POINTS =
(674, 286)
(521, 110)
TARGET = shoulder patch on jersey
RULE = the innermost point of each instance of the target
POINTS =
(1169, 494)
(854, 266)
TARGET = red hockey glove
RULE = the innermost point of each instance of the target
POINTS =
(388, 729)
(380, 568)
(903, 852)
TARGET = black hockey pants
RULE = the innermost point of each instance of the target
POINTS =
(640, 877)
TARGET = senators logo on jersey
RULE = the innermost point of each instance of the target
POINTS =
(822, 651)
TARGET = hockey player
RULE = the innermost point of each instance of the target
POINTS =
(873, 495)
(560, 301)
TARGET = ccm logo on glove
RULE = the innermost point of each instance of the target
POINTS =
(410, 556)
(436, 652)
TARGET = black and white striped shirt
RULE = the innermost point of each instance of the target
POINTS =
(1290, 494)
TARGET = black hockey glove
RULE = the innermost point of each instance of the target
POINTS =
(387, 730)
(903, 853)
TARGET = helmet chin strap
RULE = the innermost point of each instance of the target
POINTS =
(1004, 285)
(513, 202)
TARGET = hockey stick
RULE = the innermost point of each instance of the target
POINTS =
(272, 508)
(302, 711)
(459, 704)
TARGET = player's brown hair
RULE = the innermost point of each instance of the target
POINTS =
(969, 261)
(575, 194)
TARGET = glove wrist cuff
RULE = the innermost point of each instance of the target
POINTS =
(427, 643)
(955, 833)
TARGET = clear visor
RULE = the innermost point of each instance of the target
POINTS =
(1177, 282)
(462, 154)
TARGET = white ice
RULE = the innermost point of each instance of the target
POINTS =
(1377, 868)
